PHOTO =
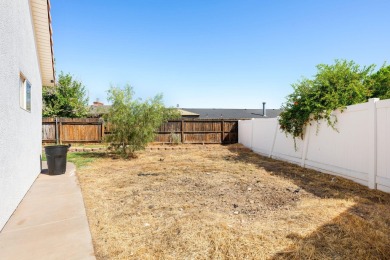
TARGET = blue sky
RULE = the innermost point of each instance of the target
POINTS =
(213, 53)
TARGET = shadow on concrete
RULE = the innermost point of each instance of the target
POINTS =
(45, 171)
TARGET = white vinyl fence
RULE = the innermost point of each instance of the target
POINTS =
(359, 150)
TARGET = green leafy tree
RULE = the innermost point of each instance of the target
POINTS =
(381, 83)
(133, 122)
(67, 99)
(333, 87)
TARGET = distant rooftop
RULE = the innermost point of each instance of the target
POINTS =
(187, 113)
(98, 109)
(232, 113)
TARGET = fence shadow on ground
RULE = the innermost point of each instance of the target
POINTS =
(361, 232)
(320, 184)
(92, 154)
(357, 233)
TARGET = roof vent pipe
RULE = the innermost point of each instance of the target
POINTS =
(264, 112)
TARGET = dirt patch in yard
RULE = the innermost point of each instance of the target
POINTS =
(229, 203)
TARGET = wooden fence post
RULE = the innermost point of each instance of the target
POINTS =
(182, 132)
(102, 130)
(56, 132)
(223, 131)
(60, 130)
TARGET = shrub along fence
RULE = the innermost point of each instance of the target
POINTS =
(188, 131)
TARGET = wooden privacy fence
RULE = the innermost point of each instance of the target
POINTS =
(196, 131)
(72, 130)
(189, 131)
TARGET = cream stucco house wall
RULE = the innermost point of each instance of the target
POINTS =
(26, 63)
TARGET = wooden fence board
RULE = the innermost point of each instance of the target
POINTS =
(172, 126)
(48, 132)
(81, 133)
(71, 130)
(208, 131)
(163, 138)
(207, 138)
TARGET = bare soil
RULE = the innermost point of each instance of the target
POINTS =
(223, 202)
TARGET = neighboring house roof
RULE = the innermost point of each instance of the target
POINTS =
(187, 113)
(98, 111)
(203, 113)
(214, 113)
(44, 41)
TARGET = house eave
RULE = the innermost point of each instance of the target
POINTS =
(40, 10)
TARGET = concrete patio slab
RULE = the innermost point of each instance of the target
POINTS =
(50, 222)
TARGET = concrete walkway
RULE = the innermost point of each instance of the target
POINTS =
(50, 222)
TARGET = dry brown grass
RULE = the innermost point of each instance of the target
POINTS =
(226, 203)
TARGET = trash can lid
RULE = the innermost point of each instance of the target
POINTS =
(56, 146)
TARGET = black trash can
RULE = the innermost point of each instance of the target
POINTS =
(56, 158)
